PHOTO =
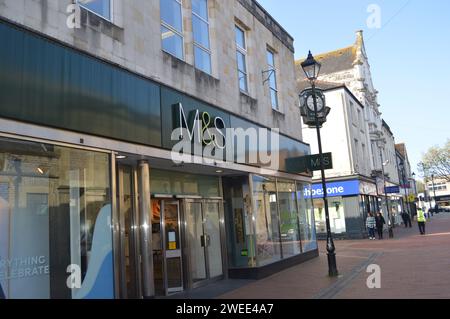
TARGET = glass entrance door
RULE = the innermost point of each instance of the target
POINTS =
(167, 253)
(172, 247)
(203, 236)
(213, 244)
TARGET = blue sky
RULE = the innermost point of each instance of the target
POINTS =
(409, 57)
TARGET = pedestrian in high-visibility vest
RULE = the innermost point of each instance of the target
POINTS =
(421, 219)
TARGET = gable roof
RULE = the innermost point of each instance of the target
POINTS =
(335, 61)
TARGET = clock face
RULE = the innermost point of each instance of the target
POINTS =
(310, 103)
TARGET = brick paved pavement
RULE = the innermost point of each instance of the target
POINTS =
(412, 266)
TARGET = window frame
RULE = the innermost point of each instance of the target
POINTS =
(273, 72)
(175, 31)
(199, 45)
(111, 10)
(244, 52)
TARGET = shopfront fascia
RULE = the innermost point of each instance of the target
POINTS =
(85, 153)
(349, 202)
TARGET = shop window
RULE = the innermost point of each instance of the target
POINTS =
(336, 212)
(306, 217)
(289, 219)
(55, 216)
(172, 27)
(102, 8)
(268, 248)
(237, 206)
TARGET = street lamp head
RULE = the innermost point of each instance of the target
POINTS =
(311, 67)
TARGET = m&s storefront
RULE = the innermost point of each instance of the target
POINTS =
(92, 204)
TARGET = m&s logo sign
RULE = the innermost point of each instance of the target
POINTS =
(201, 127)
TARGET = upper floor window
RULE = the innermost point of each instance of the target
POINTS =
(437, 187)
(200, 28)
(272, 80)
(172, 27)
(360, 119)
(101, 8)
(241, 56)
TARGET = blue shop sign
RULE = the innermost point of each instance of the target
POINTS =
(346, 188)
(393, 190)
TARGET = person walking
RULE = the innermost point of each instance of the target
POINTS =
(422, 220)
(408, 220)
(380, 222)
(371, 224)
(405, 221)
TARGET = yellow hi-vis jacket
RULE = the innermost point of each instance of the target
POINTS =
(421, 216)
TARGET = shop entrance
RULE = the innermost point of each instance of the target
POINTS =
(167, 247)
(187, 239)
(203, 233)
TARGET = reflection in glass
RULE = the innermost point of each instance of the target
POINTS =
(212, 232)
(306, 217)
(200, 30)
(174, 271)
(173, 246)
(171, 14)
(337, 216)
(290, 235)
(52, 201)
(196, 241)
(202, 60)
(100, 7)
(175, 183)
(125, 185)
(266, 218)
(240, 234)
(158, 258)
(172, 42)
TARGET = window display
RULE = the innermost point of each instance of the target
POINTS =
(55, 222)
(306, 216)
(267, 220)
(290, 234)
(337, 216)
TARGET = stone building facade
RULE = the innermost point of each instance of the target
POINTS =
(93, 97)
(132, 39)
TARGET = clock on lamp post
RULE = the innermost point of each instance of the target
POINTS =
(307, 107)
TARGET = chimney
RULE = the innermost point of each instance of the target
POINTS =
(359, 37)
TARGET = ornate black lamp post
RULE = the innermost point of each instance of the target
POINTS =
(315, 111)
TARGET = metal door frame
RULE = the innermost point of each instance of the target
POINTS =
(189, 282)
(168, 201)
(135, 260)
